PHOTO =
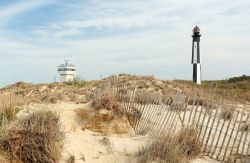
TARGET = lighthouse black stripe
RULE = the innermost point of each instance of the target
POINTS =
(192, 53)
(195, 73)
(198, 52)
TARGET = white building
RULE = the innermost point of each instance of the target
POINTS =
(67, 71)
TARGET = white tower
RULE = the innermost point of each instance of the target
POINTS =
(67, 71)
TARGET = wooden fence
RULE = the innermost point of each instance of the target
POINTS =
(223, 129)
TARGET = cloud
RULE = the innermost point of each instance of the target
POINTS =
(113, 15)
(7, 13)
(133, 36)
(139, 15)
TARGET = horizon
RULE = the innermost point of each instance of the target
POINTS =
(132, 37)
(118, 74)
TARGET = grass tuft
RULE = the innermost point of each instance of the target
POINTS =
(168, 148)
(108, 100)
(9, 107)
(227, 113)
(34, 138)
(77, 82)
(189, 142)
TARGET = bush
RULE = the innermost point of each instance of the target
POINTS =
(33, 138)
(108, 100)
(189, 143)
(168, 148)
(9, 107)
(237, 79)
(227, 112)
(77, 82)
(163, 149)
(146, 97)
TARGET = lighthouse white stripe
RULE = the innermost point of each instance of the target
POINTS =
(198, 80)
(195, 57)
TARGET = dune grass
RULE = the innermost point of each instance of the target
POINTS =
(36, 137)
(235, 89)
(77, 82)
(9, 106)
(179, 148)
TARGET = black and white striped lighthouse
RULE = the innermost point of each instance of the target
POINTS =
(196, 56)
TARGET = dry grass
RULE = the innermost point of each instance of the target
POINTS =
(143, 131)
(134, 115)
(84, 114)
(232, 92)
(227, 113)
(245, 127)
(71, 159)
(104, 121)
(48, 97)
(178, 148)
(163, 149)
(105, 141)
(108, 100)
(107, 114)
(47, 93)
(19, 85)
(34, 138)
(146, 97)
(167, 100)
(149, 77)
(199, 101)
(9, 107)
(189, 143)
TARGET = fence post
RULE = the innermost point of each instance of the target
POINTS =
(236, 134)
(225, 134)
(242, 133)
(230, 136)
(208, 137)
(221, 129)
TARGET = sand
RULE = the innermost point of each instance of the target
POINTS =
(94, 147)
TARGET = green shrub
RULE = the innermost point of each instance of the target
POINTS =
(77, 82)
(237, 79)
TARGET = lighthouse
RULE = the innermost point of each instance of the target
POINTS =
(67, 71)
(196, 56)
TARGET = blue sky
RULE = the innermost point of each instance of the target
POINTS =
(147, 37)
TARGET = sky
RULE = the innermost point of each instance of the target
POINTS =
(105, 37)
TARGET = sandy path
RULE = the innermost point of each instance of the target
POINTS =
(87, 144)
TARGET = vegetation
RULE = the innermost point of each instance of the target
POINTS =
(108, 100)
(189, 143)
(238, 79)
(37, 137)
(107, 114)
(173, 148)
(34, 138)
(9, 106)
(227, 113)
(77, 82)
(19, 85)
(242, 82)
(146, 97)
(236, 89)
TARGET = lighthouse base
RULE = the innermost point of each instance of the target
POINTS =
(197, 73)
